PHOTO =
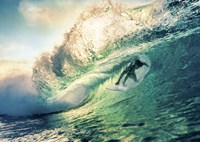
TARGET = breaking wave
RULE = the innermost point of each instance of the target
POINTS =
(97, 48)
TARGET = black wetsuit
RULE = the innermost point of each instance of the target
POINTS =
(130, 71)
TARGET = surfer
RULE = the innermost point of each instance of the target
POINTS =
(130, 71)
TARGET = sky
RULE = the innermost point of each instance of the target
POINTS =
(30, 27)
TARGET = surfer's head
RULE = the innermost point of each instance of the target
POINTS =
(137, 61)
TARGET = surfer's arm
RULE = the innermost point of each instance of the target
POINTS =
(145, 64)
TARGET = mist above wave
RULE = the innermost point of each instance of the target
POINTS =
(18, 95)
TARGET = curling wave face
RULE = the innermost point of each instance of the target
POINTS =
(163, 107)
(69, 76)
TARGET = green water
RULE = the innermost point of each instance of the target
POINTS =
(164, 107)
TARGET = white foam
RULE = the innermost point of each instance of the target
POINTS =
(68, 98)
(18, 96)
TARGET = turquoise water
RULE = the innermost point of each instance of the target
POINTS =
(165, 106)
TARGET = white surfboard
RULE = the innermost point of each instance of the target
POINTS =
(117, 88)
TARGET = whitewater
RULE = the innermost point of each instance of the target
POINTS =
(62, 96)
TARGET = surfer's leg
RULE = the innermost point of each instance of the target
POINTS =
(134, 77)
(125, 79)
(120, 77)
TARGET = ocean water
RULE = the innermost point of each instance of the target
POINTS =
(164, 107)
